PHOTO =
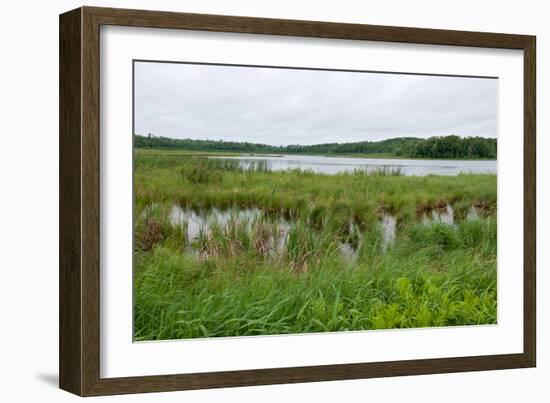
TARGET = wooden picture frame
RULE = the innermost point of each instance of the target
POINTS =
(79, 280)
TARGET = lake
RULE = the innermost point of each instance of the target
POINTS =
(334, 165)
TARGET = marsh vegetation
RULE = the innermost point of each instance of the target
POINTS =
(224, 248)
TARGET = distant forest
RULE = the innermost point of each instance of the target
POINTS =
(434, 147)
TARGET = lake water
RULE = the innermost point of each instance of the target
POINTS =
(334, 165)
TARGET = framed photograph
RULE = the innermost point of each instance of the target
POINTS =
(248, 201)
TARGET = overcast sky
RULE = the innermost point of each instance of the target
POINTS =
(287, 106)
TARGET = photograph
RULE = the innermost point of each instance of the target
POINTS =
(271, 200)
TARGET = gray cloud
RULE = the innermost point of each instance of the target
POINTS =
(287, 106)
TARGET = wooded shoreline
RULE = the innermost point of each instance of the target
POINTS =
(440, 147)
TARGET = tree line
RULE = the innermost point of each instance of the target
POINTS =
(449, 147)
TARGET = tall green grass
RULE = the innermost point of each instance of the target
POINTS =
(439, 279)
(207, 182)
(237, 279)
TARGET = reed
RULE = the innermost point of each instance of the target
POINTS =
(282, 271)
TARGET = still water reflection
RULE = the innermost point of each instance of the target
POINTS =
(334, 165)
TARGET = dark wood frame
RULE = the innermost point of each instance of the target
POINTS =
(79, 201)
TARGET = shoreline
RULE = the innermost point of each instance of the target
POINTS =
(195, 153)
